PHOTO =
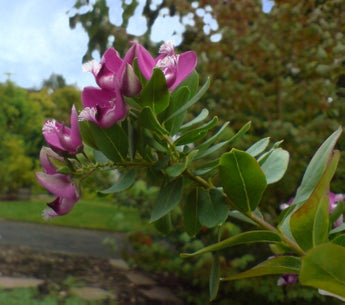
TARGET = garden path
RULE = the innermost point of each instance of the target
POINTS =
(61, 239)
(58, 252)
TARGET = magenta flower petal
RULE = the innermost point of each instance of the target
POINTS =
(108, 72)
(146, 62)
(130, 84)
(58, 184)
(103, 107)
(61, 138)
(70, 139)
(185, 66)
(46, 154)
(61, 206)
(112, 61)
(92, 97)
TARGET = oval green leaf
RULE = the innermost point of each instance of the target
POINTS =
(242, 179)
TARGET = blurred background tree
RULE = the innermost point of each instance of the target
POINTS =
(282, 70)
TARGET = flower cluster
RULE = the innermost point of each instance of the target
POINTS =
(66, 191)
(104, 106)
(116, 78)
(64, 142)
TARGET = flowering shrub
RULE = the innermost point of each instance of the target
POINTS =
(135, 122)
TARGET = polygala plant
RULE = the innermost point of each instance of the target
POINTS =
(136, 122)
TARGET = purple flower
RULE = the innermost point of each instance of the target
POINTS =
(103, 107)
(113, 72)
(333, 202)
(287, 279)
(176, 67)
(61, 138)
(60, 185)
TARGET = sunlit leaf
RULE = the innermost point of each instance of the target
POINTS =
(275, 165)
(258, 147)
(323, 267)
(310, 223)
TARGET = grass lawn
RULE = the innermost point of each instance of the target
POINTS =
(94, 214)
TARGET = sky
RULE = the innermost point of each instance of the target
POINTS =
(36, 41)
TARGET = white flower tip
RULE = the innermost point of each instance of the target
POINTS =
(49, 127)
(48, 213)
(91, 66)
(87, 114)
(167, 48)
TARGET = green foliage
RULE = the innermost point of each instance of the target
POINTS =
(323, 268)
(242, 179)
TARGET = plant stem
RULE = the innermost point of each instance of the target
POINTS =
(202, 182)
(265, 225)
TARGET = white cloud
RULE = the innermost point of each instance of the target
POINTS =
(36, 41)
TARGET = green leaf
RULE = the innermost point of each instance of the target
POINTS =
(309, 224)
(202, 116)
(148, 120)
(205, 152)
(242, 179)
(196, 134)
(258, 147)
(276, 265)
(125, 181)
(214, 277)
(240, 216)
(164, 224)
(190, 213)
(323, 267)
(213, 209)
(99, 156)
(316, 168)
(339, 240)
(214, 138)
(191, 102)
(112, 141)
(242, 238)
(156, 94)
(337, 212)
(191, 82)
(312, 176)
(87, 135)
(275, 165)
(168, 197)
(206, 168)
(190, 137)
(178, 168)
(241, 132)
(338, 229)
(178, 99)
(211, 150)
